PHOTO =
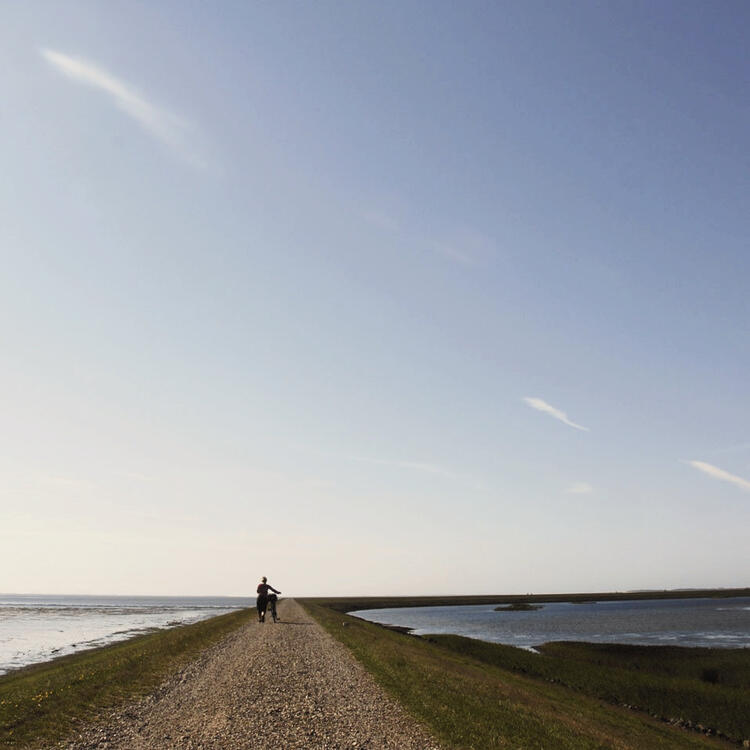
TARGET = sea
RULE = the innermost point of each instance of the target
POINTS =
(38, 628)
(713, 623)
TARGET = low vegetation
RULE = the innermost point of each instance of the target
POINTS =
(690, 687)
(478, 695)
(43, 702)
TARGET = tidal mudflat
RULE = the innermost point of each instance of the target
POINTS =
(34, 629)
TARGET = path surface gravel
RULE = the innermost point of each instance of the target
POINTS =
(285, 685)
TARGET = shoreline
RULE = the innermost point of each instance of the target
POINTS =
(346, 604)
(683, 623)
(36, 630)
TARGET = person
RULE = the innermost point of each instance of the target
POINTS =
(262, 602)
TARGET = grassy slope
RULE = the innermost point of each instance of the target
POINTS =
(43, 702)
(473, 703)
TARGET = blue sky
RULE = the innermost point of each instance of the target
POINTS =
(374, 298)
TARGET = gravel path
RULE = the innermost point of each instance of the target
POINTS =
(288, 685)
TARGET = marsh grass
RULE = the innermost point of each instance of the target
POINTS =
(44, 702)
(710, 687)
(475, 699)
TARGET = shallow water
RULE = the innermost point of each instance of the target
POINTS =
(38, 628)
(666, 622)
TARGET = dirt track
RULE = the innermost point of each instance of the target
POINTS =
(288, 685)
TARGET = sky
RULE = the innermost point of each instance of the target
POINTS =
(374, 298)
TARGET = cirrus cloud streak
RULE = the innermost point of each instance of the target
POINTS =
(163, 125)
(717, 473)
(579, 488)
(543, 406)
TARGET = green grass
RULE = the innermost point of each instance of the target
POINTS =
(475, 699)
(43, 702)
(696, 685)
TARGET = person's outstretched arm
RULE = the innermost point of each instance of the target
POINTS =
(275, 591)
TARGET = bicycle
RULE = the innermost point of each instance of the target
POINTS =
(272, 599)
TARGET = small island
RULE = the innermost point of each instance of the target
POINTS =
(518, 607)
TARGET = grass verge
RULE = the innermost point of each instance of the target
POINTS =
(470, 700)
(43, 702)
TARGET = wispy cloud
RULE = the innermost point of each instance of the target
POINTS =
(170, 129)
(467, 246)
(455, 253)
(70, 483)
(414, 465)
(543, 406)
(717, 473)
(424, 467)
(381, 219)
(579, 488)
